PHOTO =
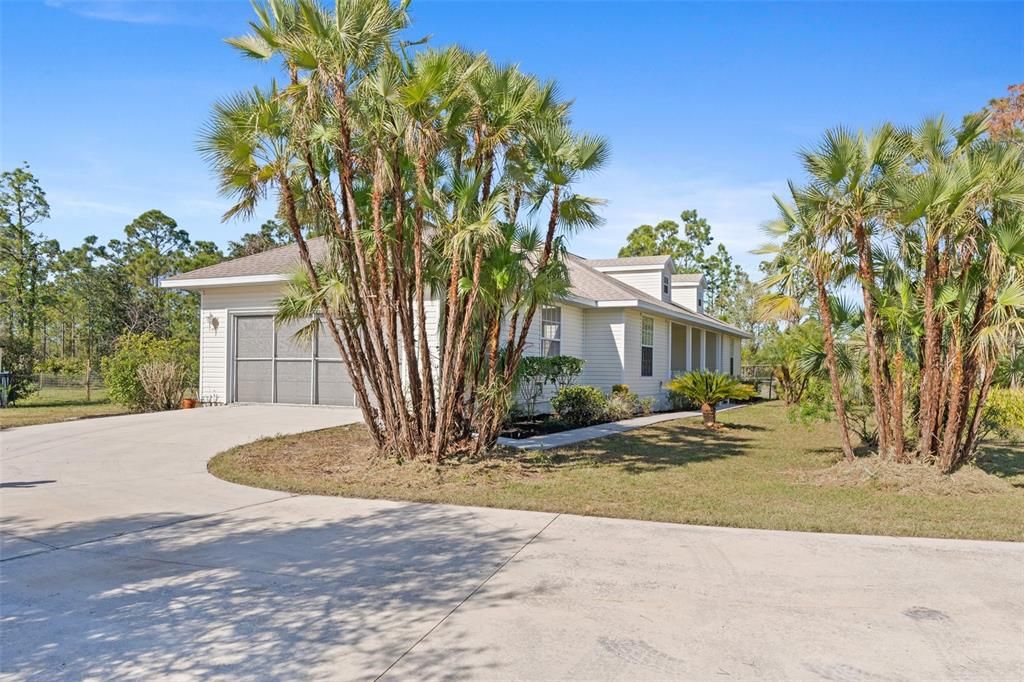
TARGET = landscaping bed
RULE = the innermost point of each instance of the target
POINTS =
(760, 470)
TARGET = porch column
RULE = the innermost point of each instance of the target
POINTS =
(688, 362)
(671, 324)
(703, 348)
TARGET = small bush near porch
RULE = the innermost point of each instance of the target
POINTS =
(759, 471)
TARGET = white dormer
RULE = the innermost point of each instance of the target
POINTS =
(688, 291)
(650, 274)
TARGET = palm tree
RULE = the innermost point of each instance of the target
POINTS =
(811, 236)
(414, 165)
(708, 389)
(851, 174)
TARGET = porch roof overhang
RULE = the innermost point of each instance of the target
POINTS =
(674, 313)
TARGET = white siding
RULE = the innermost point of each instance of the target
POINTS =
(646, 280)
(605, 352)
(572, 343)
(688, 295)
(652, 386)
(216, 306)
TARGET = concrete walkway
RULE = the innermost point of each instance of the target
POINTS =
(557, 440)
(122, 558)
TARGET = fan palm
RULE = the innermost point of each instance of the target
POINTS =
(708, 389)
(811, 234)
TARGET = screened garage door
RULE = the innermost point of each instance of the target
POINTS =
(273, 366)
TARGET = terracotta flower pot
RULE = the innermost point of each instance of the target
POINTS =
(188, 403)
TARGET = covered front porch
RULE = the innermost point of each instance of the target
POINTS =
(693, 348)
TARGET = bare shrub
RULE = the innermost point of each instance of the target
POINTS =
(163, 384)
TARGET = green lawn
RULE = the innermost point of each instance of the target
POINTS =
(761, 471)
(57, 405)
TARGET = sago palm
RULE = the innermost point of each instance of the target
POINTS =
(708, 389)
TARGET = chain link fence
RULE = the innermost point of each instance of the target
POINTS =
(761, 377)
(68, 386)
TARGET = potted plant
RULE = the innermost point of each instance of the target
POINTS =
(189, 401)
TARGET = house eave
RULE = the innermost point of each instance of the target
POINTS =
(681, 315)
(629, 268)
(215, 282)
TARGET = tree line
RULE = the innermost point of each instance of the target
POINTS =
(63, 309)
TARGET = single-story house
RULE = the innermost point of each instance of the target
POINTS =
(632, 320)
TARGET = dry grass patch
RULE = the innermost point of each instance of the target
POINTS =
(759, 471)
(906, 479)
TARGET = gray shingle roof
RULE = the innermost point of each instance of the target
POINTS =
(280, 261)
(585, 281)
(632, 260)
(688, 277)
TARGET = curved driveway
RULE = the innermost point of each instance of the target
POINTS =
(122, 557)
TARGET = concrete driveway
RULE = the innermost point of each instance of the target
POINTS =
(122, 558)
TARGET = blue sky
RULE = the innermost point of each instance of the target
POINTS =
(704, 104)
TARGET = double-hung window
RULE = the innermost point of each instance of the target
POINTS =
(551, 331)
(646, 347)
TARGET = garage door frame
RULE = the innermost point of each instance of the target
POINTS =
(232, 359)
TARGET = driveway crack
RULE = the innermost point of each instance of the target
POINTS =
(469, 596)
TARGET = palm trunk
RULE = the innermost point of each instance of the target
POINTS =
(931, 371)
(874, 337)
(709, 413)
(833, 368)
(358, 380)
(898, 442)
(971, 440)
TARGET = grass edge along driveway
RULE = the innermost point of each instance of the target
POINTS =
(760, 471)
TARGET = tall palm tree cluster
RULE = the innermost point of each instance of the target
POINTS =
(443, 184)
(926, 225)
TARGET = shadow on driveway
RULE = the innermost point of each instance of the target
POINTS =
(278, 591)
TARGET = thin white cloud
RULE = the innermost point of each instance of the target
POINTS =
(735, 209)
(74, 205)
(122, 11)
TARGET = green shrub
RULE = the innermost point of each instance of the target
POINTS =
(535, 372)
(531, 376)
(563, 370)
(17, 359)
(620, 406)
(624, 404)
(579, 405)
(61, 366)
(1003, 415)
(121, 371)
(679, 401)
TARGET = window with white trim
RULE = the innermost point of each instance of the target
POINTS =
(664, 285)
(646, 347)
(551, 331)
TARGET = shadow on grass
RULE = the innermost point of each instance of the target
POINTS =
(654, 448)
(1005, 461)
